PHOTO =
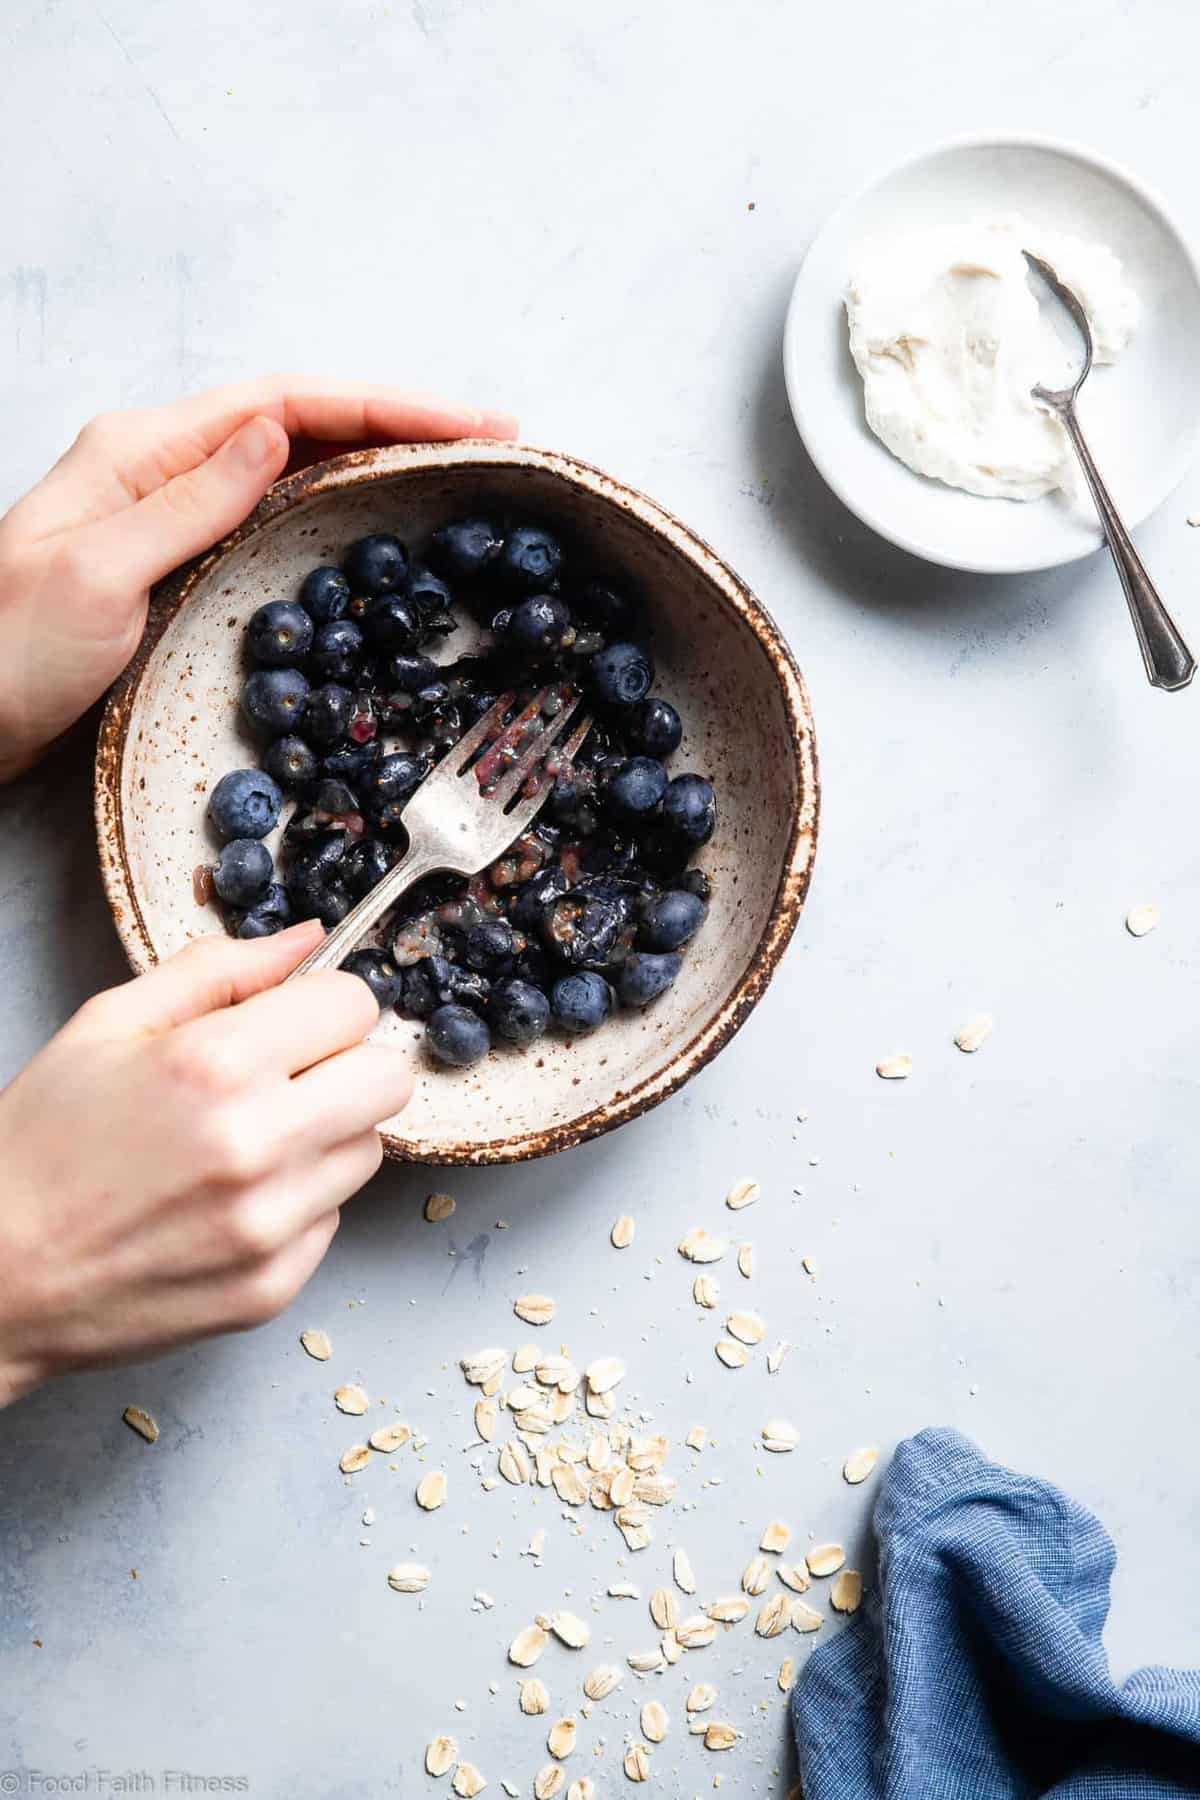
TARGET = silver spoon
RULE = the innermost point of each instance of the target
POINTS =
(1169, 662)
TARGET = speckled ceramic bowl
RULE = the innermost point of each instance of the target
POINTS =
(172, 729)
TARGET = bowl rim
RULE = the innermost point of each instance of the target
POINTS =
(360, 468)
(1147, 197)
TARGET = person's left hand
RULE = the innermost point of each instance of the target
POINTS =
(140, 492)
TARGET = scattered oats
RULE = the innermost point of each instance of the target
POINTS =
(683, 1573)
(664, 1609)
(809, 1265)
(570, 1630)
(622, 1232)
(745, 1260)
(467, 1781)
(493, 1384)
(583, 1789)
(389, 1437)
(773, 1616)
(1141, 919)
(355, 1458)
(975, 1032)
(648, 1453)
(561, 1406)
(537, 1543)
(431, 1490)
(776, 1537)
(701, 1697)
(846, 1591)
(532, 1697)
(557, 1372)
(438, 1207)
(624, 1590)
(824, 1559)
(318, 1345)
(599, 1452)
(525, 1359)
(599, 1406)
(514, 1464)
(600, 1682)
(701, 1246)
(775, 1357)
(568, 1484)
(483, 1600)
(805, 1617)
(794, 1576)
(706, 1290)
(548, 1781)
(510, 1787)
(637, 1762)
(441, 1753)
(729, 1609)
(720, 1737)
(779, 1436)
(756, 1576)
(696, 1438)
(488, 1483)
(895, 1068)
(144, 1423)
(483, 1366)
(672, 1649)
(654, 1721)
(858, 1465)
(604, 1374)
(411, 1578)
(746, 1327)
(535, 1309)
(655, 1490)
(351, 1399)
(742, 1193)
(645, 1662)
(787, 1675)
(696, 1632)
(733, 1355)
(534, 1420)
(620, 1487)
(368, 1517)
(487, 1417)
(518, 1398)
(527, 1646)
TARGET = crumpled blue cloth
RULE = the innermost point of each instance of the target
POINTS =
(975, 1670)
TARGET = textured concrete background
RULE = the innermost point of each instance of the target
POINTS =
(595, 222)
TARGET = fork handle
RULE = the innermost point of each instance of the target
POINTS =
(1169, 663)
(342, 938)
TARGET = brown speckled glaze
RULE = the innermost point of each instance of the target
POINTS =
(171, 729)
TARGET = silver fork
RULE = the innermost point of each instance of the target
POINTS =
(453, 822)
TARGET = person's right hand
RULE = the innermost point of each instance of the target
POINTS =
(174, 1159)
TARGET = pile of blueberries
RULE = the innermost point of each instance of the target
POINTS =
(589, 908)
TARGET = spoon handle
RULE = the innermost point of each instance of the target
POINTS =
(1169, 662)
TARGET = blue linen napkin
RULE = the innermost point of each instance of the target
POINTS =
(975, 1671)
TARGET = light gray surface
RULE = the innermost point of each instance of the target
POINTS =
(513, 205)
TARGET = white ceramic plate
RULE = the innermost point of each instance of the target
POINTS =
(1141, 415)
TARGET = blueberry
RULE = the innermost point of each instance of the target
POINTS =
(313, 898)
(464, 549)
(324, 594)
(244, 804)
(581, 1003)
(243, 872)
(379, 972)
(518, 1011)
(611, 612)
(581, 932)
(655, 728)
(488, 948)
(455, 986)
(644, 976)
(274, 700)
(429, 594)
(539, 624)
(377, 564)
(290, 762)
(337, 651)
(535, 895)
(635, 789)
(365, 864)
(272, 913)
(621, 891)
(279, 634)
(418, 995)
(665, 853)
(532, 965)
(671, 919)
(409, 674)
(392, 780)
(334, 797)
(529, 560)
(351, 762)
(690, 808)
(328, 713)
(695, 881)
(621, 674)
(457, 1036)
(392, 623)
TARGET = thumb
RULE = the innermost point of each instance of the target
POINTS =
(142, 543)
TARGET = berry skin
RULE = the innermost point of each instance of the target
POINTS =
(379, 972)
(518, 1011)
(635, 789)
(244, 804)
(690, 808)
(539, 625)
(328, 713)
(530, 560)
(392, 623)
(418, 996)
(621, 674)
(672, 920)
(324, 594)
(243, 872)
(457, 1036)
(274, 700)
(535, 895)
(612, 613)
(644, 976)
(364, 865)
(376, 565)
(695, 881)
(279, 634)
(581, 1003)
(271, 914)
(488, 948)
(429, 594)
(464, 549)
(290, 762)
(337, 651)
(655, 728)
(392, 780)
(409, 674)
(582, 933)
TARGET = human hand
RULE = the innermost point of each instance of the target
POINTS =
(140, 492)
(175, 1157)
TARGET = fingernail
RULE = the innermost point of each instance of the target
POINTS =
(256, 443)
(501, 424)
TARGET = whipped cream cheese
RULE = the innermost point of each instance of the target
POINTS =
(949, 339)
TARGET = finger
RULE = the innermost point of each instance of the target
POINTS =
(349, 1093)
(287, 1029)
(284, 1207)
(208, 974)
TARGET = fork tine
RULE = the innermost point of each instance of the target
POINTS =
(491, 723)
(509, 786)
